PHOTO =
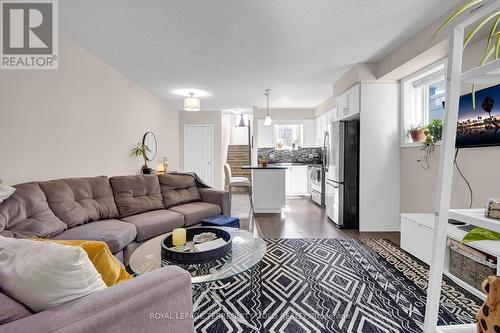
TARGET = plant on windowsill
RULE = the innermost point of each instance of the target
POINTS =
(140, 150)
(433, 134)
(492, 50)
(417, 133)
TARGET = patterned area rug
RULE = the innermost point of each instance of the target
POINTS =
(329, 285)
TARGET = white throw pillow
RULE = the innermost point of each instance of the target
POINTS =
(5, 191)
(43, 275)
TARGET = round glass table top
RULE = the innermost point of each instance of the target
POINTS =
(247, 251)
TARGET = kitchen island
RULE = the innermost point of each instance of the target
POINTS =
(268, 188)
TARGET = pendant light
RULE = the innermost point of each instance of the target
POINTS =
(191, 103)
(268, 120)
(242, 121)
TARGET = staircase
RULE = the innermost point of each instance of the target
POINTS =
(237, 156)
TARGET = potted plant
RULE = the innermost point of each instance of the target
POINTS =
(140, 150)
(263, 161)
(433, 134)
(417, 133)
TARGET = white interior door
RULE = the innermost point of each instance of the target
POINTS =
(199, 151)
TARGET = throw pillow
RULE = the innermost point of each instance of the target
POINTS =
(5, 191)
(44, 275)
(111, 270)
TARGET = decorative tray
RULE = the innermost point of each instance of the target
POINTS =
(173, 256)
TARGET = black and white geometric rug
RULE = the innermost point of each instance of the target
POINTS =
(329, 285)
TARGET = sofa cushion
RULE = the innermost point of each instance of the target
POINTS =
(11, 310)
(154, 223)
(117, 234)
(44, 275)
(136, 194)
(80, 200)
(194, 212)
(111, 269)
(178, 189)
(26, 214)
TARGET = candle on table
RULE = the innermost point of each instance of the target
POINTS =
(179, 237)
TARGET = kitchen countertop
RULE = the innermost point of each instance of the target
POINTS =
(269, 166)
(295, 163)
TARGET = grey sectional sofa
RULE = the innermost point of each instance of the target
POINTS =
(122, 211)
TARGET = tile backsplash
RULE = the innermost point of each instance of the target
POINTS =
(301, 155)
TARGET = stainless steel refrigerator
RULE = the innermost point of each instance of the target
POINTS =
(342, 174)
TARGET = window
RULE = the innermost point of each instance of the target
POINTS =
(288, 136)
(423, 95)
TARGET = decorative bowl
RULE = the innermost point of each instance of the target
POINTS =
(199, 257)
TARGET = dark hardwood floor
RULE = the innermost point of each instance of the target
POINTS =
(300, 219)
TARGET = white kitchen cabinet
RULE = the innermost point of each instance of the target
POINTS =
(296, 180)
(379, 163)
(317, 132)
(308, 133)
(322, 124)
(265, 135)
(321, 128)
(348, 104)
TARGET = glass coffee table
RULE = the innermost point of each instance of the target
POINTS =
(247, 251)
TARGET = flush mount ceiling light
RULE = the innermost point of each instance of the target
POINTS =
(184, 92)
(268, 120)
(191, 103)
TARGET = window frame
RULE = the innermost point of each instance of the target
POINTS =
(408, 112)
(300, 128)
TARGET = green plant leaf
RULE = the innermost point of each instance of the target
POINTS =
(483, 61)
(492, 33)
(454, 15)
(497, 47)
(478, 27)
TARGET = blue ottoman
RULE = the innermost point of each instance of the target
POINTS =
(221, 221)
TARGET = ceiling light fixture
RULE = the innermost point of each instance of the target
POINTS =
(242, 121)
(268, 120)
(191, 103)
(186, 91)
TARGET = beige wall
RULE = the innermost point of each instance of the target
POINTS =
(359, 72)
(418, 186)
(79, 120)
(206, 118)
(326, 106)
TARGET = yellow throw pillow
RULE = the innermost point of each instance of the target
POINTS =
(110, 268)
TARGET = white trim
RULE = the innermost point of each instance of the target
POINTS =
(406, 114)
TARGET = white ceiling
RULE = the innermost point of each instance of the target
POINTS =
(234, 49)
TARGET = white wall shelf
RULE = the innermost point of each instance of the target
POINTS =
(467, 328)
(486, 74)
(475, 217)
(455, 77)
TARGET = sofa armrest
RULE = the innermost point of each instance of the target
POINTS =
(159, 301)
(221, 198)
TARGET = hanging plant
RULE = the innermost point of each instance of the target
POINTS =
(433, 134)
(492, 50)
